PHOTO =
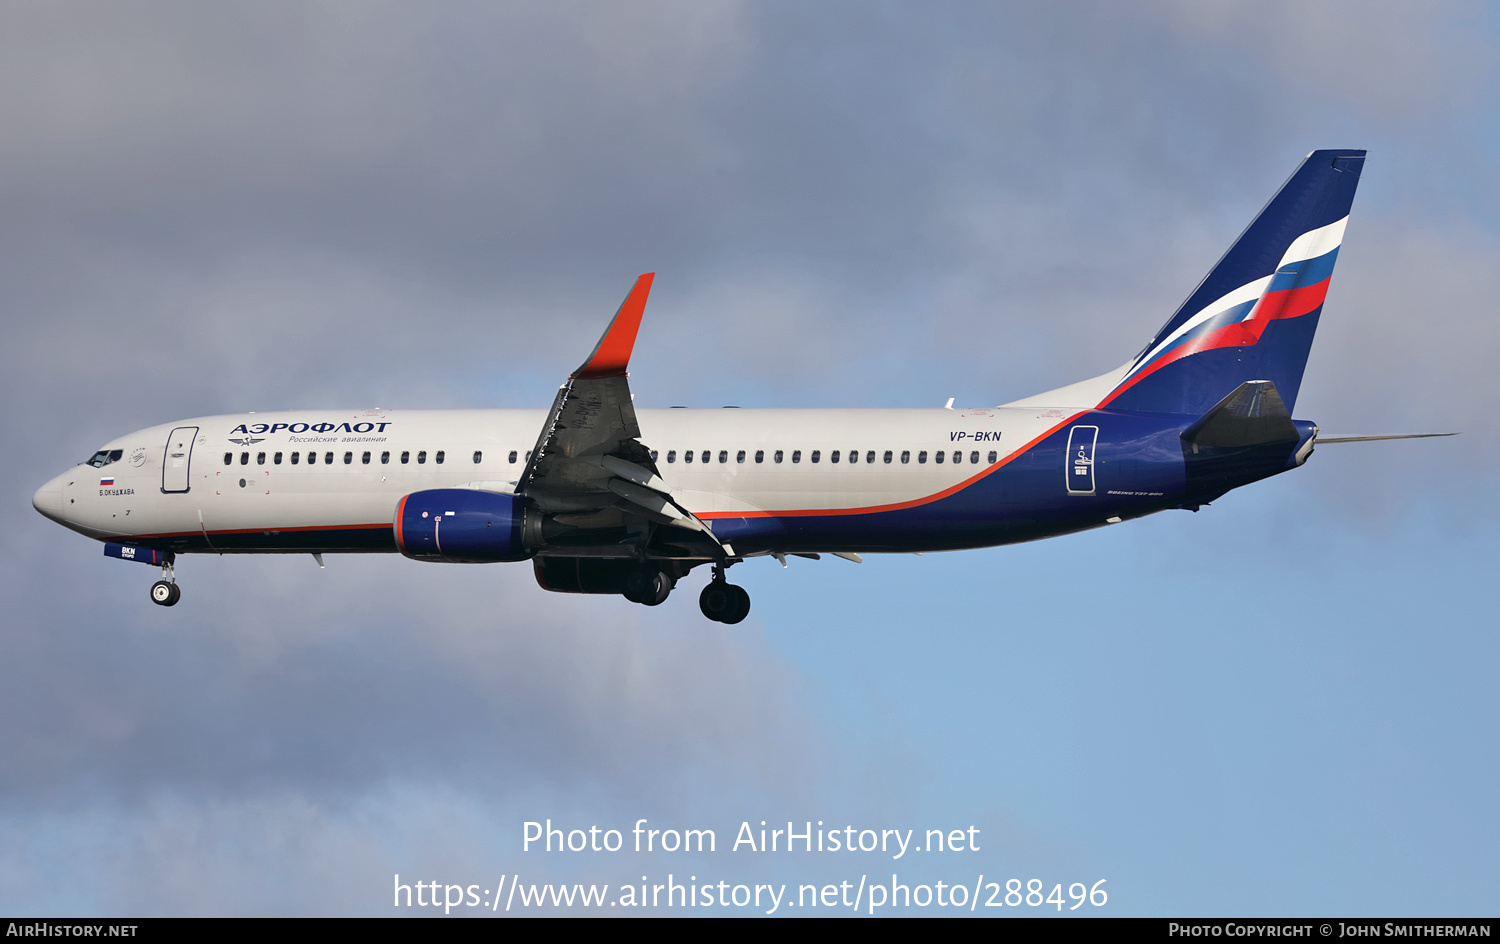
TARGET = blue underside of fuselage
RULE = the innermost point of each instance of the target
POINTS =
(1138, 469)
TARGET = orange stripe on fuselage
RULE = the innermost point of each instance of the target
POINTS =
(894, 506)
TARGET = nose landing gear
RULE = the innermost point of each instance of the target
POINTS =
(722, 601)
(165, 591)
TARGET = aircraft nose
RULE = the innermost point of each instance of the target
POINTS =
(48, 500)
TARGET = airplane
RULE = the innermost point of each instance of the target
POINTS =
(603, 498)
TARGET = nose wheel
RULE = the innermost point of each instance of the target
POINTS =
(165, 591)
(722, 601)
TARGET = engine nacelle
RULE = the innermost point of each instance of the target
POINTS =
(583, 574)
(646, 582)
(462, 526)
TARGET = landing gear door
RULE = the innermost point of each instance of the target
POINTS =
(1079, 468)
(174, 465)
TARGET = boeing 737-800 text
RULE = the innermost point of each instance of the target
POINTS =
(603, 498)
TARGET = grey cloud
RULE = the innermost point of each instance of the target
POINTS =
(279, 675)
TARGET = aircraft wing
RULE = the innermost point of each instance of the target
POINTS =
(589, 458)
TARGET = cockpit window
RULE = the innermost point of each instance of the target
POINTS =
(104, 457)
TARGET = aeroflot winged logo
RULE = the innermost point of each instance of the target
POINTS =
(311, 427)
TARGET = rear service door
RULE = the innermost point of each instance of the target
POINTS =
(1079, 467)
(174, 465)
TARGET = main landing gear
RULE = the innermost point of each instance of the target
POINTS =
(722, 601)
(648, 586)
(165, 591)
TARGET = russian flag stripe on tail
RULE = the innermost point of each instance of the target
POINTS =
(1254, 315)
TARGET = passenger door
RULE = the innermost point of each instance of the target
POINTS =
(175, 463)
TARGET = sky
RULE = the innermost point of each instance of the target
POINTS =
(1282, 705)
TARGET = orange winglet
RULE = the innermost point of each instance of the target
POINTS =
(612, 354)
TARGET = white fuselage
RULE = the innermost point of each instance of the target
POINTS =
(252, 472)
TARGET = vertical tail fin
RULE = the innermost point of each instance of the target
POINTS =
(1254, 315)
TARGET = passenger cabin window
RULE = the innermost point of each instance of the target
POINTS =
(833, 456)
(777, 457)
(348, 458)
(260, 458)
(385, 458)
(993, 457)
(705, 455)
(887, 457)
(478, 457)
(974, 458)
(687, 455)
(922, 457)
(228, 458)
(439, 459)
(938, 457)
(276, 458)
(512, 457)
(422, 457)
(244, 458)
(312, 458)
(853, 456)
(405, 457)
(958, 456)
(528, 455)
(739, 456)
(671, 455)
(294, 457)
(760, 455)
(870, 456)
(328, 458)
(796, 455)
(905, 456)
(365, 459)
(816, 455)
(653, 455)
(723, 455)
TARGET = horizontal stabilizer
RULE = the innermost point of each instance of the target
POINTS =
(1252, 415)
(1324, 440)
